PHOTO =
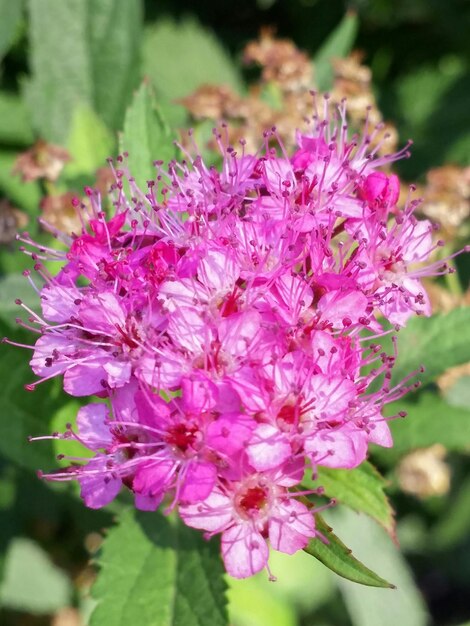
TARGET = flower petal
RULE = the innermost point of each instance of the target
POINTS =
(244, 551)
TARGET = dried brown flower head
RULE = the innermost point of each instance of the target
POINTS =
(447, 196)
(43, 160)
(282, 97)
(424, 473)
(281, 61)
(57, 212)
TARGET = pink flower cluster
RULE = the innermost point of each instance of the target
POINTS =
(227, 322)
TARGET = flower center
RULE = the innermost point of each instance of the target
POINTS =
(287, 413)
(251, 501)
(182, 436)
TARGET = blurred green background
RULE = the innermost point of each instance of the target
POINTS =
(69, 70)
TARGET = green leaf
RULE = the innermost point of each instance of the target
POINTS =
(115, 49)
(11, 13)
(438, 343)
(192, 56)
(24, 412)
(452, 527)
(158, 572)
(90, 143)
(13, 286)
(252, 604)
(302, 586)
(90, 55)
(419, 93)
(24, 195)
(370, 607)
(338, 558)
(362, 489)
(32, 582)
(15, 428)
(146, 137)
(338, 44)
(66, 414)
(432, 102)
(430, 420)
(15, 123)
(459, 394)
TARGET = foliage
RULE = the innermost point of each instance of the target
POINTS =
(156, 571)
(95, 76)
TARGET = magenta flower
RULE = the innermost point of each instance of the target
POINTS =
(231, 319)
(251, 511)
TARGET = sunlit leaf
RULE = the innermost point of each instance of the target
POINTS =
(24, 413)
(453, 525)
(370, 607)
(12, 287)
(438, 343)
(24, 195)
(302, 584)
(15, 122)
(90, 142)
(432, 104)
(192, 56)
(339, 559)
(253, 604)
(90, 55)
(362, 489)
(146, 137)
(158, 572)
(32, 582)
(11, 14)
(429, 420)
(338, 44)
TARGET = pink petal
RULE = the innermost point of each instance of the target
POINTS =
(418, 241)
(98, 489)
(152, 410)
(229, 433)
(119, 372)
(58, 302)
(147, 503)
(218, 271)
(339, 448)
(290, 473)
(92, 427)
(177, 293)
(338, 307)
(379, 433)
(268, 448)
(44, 349)
(102, 312)
(379, 189)
(187, 328)
(164, 375)
(123, 401)
(85, 380)
(213, 515)
(291, 526)
(244, 551)
(198, 482)
(199, 393)
(152, 478)
(237, 332)
(228, 400)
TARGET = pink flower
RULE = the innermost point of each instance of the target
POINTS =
(380, 190)
(248, 513)
(392, 266)
(231, 317)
